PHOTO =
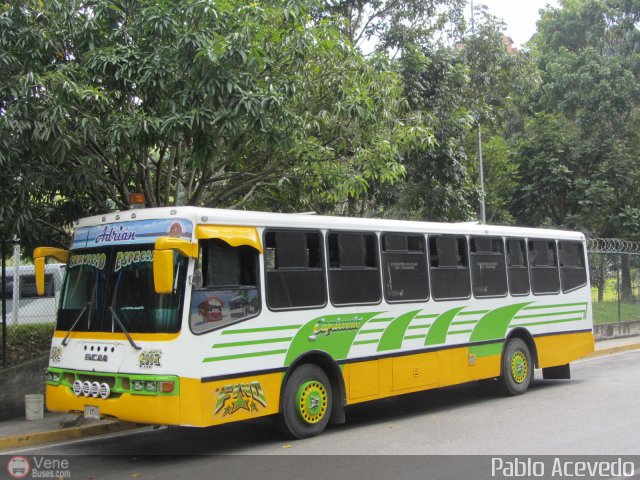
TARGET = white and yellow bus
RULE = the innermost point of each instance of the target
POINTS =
(193, 316)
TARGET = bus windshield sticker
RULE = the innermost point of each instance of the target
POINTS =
(127, 233)
(124, 259)
(93, 260)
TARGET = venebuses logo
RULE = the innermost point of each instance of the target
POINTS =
(18, 467)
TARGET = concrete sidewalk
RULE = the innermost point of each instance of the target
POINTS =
(57, 427)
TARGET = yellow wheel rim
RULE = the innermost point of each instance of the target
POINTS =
(519, 367)
(312, 401)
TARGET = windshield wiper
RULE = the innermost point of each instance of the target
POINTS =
(80, 315)
(115, 315)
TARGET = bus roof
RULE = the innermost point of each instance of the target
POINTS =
(214, 216)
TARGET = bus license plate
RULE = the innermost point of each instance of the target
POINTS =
(92, 412)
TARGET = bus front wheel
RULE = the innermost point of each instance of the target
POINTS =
(306, 402)
(517, 368)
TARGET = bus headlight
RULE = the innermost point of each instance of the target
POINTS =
(95, 389)
(105, 391)
(77, 388)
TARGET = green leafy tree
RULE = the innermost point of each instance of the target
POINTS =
(223, 104)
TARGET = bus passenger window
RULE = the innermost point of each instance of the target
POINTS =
(354, 273)
(294, 270)
(404, 267)
(230, 287)
(517, 269)
(449, 268)
(543, 267)
(488, 267)
(573, 273)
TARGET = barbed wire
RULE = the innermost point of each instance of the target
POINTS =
(613, 245)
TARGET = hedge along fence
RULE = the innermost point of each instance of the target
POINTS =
(25, 342)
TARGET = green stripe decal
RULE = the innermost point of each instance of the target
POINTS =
(394, 333)
(416, 327)
(411, 337)
(261, 329)
(554, 314)
(431, 315)
(486, 350)
(364, 342)
(477, 312)
(494, 324)
(244, 355)
(438, 331)
(253, 342)
(536, 307)
(375, 330)
(333, 334)
(574, 319)
(380, 320)
(470, 322)
(458, 332)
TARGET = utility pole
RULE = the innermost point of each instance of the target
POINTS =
(483, 214)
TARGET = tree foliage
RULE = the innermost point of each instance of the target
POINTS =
(194, 102)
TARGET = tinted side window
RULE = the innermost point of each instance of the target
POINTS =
(449, 268)
(294, 269)
(354, 273)
(488, 267)
(517, 269)
(229, 291)
(404, 268)
(543, 266)
(573, 272)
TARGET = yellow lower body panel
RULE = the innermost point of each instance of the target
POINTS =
(161, 410)
(386, 377)
(199, 403)
(554, 350)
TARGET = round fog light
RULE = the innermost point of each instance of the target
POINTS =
(95, 389)
(86, 388)
(105, 391)
(77, 388)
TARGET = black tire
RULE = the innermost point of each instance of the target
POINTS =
(517, 368)
(306, 402)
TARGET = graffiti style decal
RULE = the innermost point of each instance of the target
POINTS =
(93, 260)
(243, 396)
(124, 259)
(326, 325)
(149, 358)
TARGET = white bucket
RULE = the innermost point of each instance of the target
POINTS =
(34, 406)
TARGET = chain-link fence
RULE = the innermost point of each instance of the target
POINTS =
(615, 280)
(27, 319)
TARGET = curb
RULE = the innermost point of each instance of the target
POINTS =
(50, 436)
(611, 350)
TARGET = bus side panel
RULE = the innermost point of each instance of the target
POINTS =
(554, 350)
(374, 379)
(241, 398)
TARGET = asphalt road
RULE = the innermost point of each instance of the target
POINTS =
(597, 412)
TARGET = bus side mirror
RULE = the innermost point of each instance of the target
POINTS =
(40, 255)
(163, 264)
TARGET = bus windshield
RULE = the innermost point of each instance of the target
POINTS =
(120, 278)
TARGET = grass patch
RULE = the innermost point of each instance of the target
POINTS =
(607, 312)
(25, 342)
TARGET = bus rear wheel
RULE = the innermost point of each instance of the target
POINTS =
(306, 402)
(517, 368)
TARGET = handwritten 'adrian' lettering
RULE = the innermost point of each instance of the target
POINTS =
(110, 234)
